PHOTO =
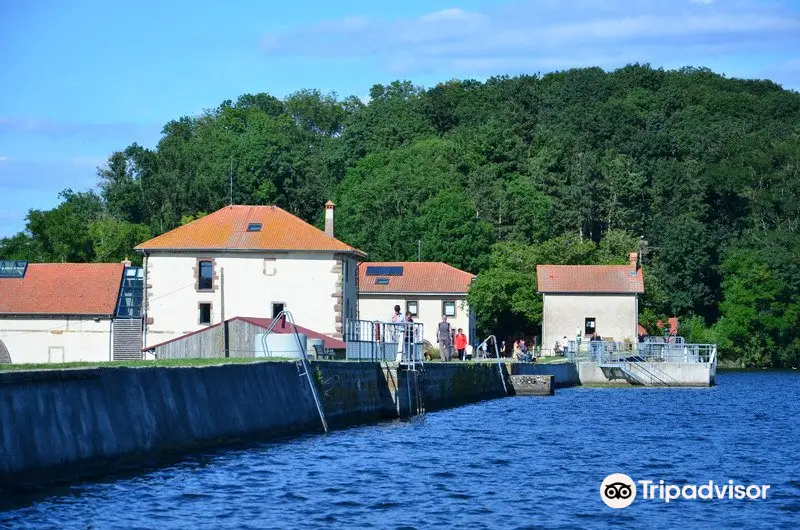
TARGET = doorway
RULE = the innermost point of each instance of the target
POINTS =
(55, 354)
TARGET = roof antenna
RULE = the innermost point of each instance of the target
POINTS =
(231, 177)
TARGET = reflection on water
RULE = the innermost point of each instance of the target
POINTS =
(521, 462)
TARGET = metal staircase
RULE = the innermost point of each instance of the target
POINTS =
(636, 369)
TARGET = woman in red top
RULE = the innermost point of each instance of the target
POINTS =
(461, 344)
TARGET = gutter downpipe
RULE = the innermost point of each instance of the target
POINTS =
(111, 339)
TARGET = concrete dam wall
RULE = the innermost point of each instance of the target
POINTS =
(59, 424)
(55, 419)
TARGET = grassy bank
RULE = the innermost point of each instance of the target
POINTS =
(137, 364)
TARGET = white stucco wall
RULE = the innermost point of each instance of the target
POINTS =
(616, 316)
(303, 281)
(381, 307)
(42, 340)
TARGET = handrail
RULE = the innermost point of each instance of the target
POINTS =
(499, 363)
(666, 380)
(369, 339)
(283, 316)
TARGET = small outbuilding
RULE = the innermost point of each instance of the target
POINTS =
(236, 337)
(580, 300)
(63, 312)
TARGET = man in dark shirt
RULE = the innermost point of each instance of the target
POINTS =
(444, 335)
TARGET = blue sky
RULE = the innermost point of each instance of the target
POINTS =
(84, 78)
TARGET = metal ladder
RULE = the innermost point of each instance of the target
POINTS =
(499, 362)
(303, 368)
(415, 369)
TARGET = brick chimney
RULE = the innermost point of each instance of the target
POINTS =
(329, 208)
(633, 259)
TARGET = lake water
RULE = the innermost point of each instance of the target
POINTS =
(521, 462)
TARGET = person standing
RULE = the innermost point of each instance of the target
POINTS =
(410, 343)
(397, 332)
(461, 345)
(444, 335)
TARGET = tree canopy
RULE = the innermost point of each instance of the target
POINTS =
(699, 173)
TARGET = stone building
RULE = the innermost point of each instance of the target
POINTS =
(427, 289)
(252, 261)
(580, 300)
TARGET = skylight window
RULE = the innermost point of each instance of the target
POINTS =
(254, 227)
(13, 268)
(381, 281)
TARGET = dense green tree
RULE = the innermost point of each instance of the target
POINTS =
(699, 173)
(60, 234)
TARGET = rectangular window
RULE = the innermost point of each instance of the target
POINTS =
(13, 268)
(277, 307)
(449, 308)
(205, 275)
(205, 313)
(412, 306)
(254, 227)
(382, 281)
(589, 326)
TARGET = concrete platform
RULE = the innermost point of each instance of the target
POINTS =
(533, 385)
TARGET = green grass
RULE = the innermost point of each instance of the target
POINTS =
(551, 360)
(138, 364)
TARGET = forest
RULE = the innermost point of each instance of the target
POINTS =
(698, 172)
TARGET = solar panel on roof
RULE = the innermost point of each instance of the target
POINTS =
(11, 268)
(383, 270)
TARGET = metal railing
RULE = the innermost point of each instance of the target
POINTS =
(611, 352)
(400, 342)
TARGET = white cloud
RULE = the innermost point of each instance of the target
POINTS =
(4, 158)
(549, 34)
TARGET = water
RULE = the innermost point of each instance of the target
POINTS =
(520, 462)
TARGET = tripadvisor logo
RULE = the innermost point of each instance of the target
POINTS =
(619, 491)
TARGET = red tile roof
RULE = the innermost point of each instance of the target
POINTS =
(418, 277)
(589, 279)
(330, 342)
(227, 229)
(63, 289)
(673, 326)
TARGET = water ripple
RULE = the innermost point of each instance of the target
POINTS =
(512, 463)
